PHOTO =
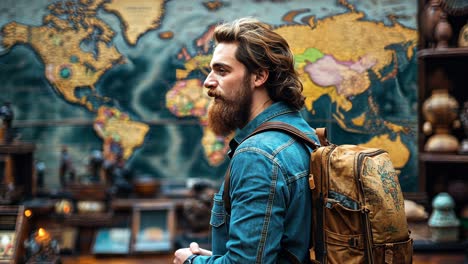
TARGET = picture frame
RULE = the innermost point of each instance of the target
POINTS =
(12, 233)
(7, 245)
(112, 241)
(153, 227)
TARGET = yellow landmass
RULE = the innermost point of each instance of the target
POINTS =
(397, 150)
(359, 121)
(188, 98)
(396, 128)
(137, 16)
(201, 62)
(92, 5)
(215, 147)
(348, 38)
(65, 44)
(131, 134)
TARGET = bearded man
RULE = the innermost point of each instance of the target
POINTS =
(253, 81)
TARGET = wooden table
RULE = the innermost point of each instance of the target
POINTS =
(144, 259)
(439, 258)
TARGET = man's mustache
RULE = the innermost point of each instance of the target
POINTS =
(214, 95)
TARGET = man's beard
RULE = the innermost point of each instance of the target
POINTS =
(226, 115)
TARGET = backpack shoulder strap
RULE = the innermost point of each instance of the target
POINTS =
(275, 125)
(272, 125)
(322, 135)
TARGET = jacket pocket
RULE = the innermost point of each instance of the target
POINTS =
(218, 213)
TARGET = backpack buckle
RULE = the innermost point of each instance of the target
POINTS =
(311, 181)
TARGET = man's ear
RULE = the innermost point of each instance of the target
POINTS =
(260, 77)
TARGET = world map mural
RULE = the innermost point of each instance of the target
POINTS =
(95, 75)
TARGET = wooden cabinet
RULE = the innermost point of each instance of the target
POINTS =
(443, 69)
(17, 180)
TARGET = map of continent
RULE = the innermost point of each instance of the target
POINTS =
(343, 73)
(69, 67)
(115, 127)
(128, 76)
(137, 16)
(336, 66)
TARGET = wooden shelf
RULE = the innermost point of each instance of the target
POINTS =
(442, 53)
(443, 157)
(128, 204)
(76, 220)
(17, 148)
(428, 245)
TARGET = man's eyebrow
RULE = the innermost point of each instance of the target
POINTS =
(220, 64)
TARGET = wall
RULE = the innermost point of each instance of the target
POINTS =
(127, 76)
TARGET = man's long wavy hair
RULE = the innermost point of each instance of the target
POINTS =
(261, 48)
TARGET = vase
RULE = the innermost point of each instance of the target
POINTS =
(440, 111)
(430, 18)
(443, 32)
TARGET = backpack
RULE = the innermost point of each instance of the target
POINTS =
(358, 213)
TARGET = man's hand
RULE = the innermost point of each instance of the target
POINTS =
(196, 249)
(183, 253)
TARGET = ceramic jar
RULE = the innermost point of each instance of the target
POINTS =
(443, 221)
(440, 111)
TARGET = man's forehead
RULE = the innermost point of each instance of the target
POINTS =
(224, 53)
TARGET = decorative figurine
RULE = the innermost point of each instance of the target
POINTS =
(64, 207)
(118, 175)
(66, 167)
(443, 221)
(42, 248)
(464, 120)
(95, 166)
(113, 159)
(7, 115)
(40, 170)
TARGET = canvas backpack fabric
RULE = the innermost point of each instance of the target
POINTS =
(357, 203)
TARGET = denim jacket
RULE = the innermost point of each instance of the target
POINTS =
(270, 196)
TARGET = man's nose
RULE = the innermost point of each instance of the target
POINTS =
(210, 82)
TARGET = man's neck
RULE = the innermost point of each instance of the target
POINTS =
(259, 106)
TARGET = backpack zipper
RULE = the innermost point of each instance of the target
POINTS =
(365, 211)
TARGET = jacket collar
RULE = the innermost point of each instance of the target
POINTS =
(274, 110)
